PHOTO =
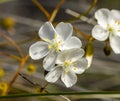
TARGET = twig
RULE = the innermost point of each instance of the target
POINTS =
(41, 8)
(34, 84)
(13, 43)
(90, 8)
(11, 56)
(83, 18)
(86, 36)
(18, 71)
(55, 11)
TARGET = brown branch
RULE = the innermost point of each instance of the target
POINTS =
(90, 8)
(55, 11)
(11, 56)
(13, 43)
(84, 35)
(17, 73)
(41, 8)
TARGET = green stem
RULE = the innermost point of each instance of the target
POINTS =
(100, 94)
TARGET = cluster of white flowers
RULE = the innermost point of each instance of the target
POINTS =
(62, 51)
(108, 28)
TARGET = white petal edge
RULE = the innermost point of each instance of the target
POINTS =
(99, 33)
(64, 30)
(54, 75)
(38, 50)
(49, 61)
(73, 42)
(115, 43)
(116, 14)
(80, 66)
(103, 16)
(47, 31)
(75, 54)
(69, 79)
(62, 57)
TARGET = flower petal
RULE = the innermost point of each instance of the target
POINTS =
(115, 43)
(80, 66)
(99, 33)
(61, 57)
(54, 75)
(103, 16)
(47, 31)
(49, 61)
(116, 14)
(73, 42)
(64, 30)
(69, 78)
(75, 54)
(38, 50)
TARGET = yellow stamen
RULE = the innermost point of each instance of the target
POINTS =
(74, 68)
(47, 40)
(55, 36)
(118, 30)
(49, 47)
(3, 88)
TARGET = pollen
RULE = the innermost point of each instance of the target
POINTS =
(117, 22)
(31, 68)
(110, 28)
(47, 40)
(74, 68)
(49, 47)
(55, 36)
(66, 63)
(3, 88)
(118, 30)
(2, 72)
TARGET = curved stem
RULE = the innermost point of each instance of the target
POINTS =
(90, 8)
(11, 56)
(41, 8)
(84, 35)
(55, 11)
(23, 61)
(100, 94)
(13, 43)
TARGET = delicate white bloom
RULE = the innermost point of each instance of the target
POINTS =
(108, 27)
(69, 63)
(54, 40)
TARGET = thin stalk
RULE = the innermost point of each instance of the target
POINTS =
(100, 94)
(90, 8)
(13, 43)
(55, 11)
(84, 35)
(41, 8)
(11, 56)
(23, 61)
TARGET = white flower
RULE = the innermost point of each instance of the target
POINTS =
(108, 28)
(54, 40)
(68, 64)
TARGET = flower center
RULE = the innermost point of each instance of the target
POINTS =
(110, 28)
(54, 44)
(67, 64)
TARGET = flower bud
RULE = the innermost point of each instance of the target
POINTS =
(89, 53)
(31, 68)
(107, 49)
(2, 72)
(3, 88)
(8, 24)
